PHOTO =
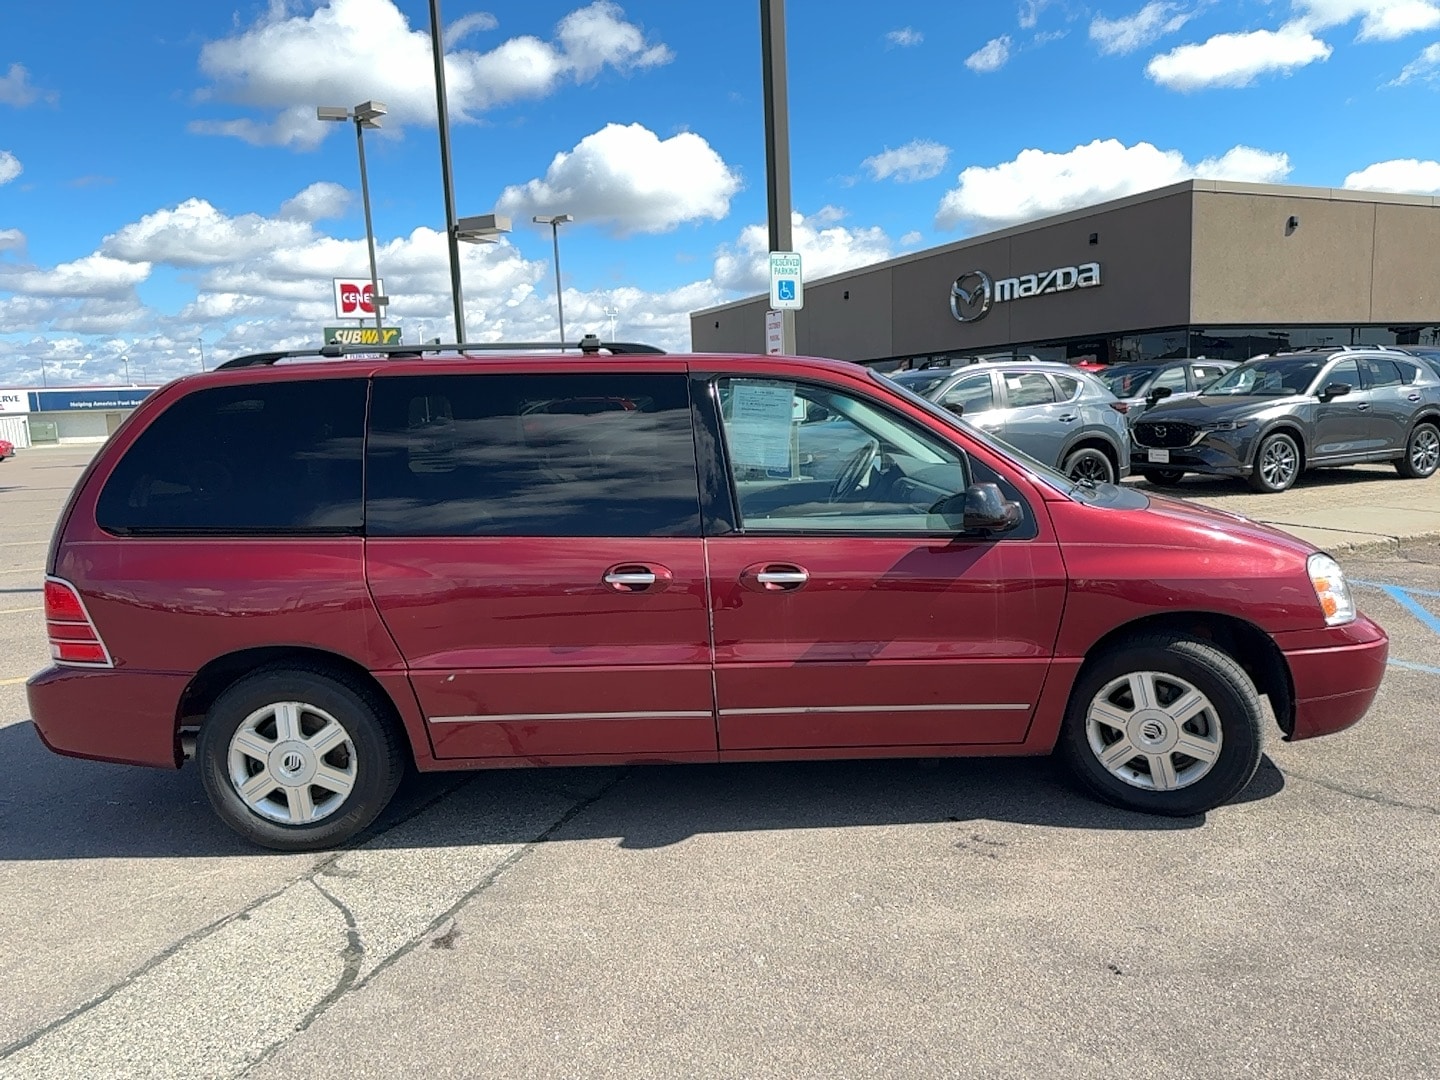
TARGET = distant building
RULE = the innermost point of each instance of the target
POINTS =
(1201, 268)
(77, 414)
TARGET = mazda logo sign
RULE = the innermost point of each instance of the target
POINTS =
(971, 296)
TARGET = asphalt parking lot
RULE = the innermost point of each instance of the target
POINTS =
(905, 918)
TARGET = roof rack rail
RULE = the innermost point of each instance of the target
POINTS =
(589, 344)
(1341, 348)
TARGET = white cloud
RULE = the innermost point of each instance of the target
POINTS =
(1425, 67)
(11, 240)
(906, 37)
(1236, 59)
(197, 234)
(825, 246)
(463, 27)
(910, 239)
(1029, 13)
(10, 167)
(628, 178)
(1381, 20)
(917, 160)
(1402, 174)
(95, 275)
(317, 202)
(1131, 32)
(1038, 183)
(991, 56)
(353, 50)
(16, 88)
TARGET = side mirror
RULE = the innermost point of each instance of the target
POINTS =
(980, 508)
(1160, 393)
(1334, 390)
(956, 407)
(815, 412)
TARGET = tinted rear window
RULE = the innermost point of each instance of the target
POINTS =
(277, 458)
(532, 455)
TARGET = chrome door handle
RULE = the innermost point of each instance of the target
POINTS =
(1069, 419)
(1362, 406)
(1413, 397)
(634, 580)
(782, 577)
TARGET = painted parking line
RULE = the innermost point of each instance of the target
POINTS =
(1403, 597)
(1410, 665)
(20, 610)
(13, 682)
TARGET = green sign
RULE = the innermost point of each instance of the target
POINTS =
(362, 335)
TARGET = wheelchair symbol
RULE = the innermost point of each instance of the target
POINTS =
(785, 289)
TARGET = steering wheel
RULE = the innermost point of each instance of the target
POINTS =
(854, 470)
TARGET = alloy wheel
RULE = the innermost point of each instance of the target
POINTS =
(1425, 450)
(1092, 467)
(1153, 730)
(292, 763)
(1278, 462)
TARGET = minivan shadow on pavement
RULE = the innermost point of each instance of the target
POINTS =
(60, 808)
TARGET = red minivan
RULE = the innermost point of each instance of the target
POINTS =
(306, 572)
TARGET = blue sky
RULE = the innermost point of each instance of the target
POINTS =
(163, 180)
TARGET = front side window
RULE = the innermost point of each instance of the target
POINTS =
(973, 394)
(1127, 381)
(1173, 378)
(861, 469)
(531, 455)
(279, 458)
(1347, 372)
(1268, 378)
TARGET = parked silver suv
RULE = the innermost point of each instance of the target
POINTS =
(1054, 412)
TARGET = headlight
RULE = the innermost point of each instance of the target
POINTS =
(1328, 581)
(1225, 425)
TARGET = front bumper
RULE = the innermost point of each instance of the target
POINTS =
(1212, 455)
(107, 715)
(1336, 674)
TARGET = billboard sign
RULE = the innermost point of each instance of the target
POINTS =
(14, 401)
(362, 335)
(355, 297)
(85, 400)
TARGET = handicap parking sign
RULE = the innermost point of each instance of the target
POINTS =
(787, 283)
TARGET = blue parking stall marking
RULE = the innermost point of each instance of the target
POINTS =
(1410, 665)
(1402, 597)
(1406, 588)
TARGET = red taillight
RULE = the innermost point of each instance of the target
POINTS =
(73, 637)
(1119, 406)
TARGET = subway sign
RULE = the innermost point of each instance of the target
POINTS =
(362, 335)
(974, 292)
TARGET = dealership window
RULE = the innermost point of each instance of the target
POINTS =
(276, 458)
(531, 455)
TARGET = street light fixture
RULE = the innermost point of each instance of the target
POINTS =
(365, 115)
(555, 221)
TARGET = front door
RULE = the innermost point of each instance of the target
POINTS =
(534, 549)
(846, 614)
(1343, 425)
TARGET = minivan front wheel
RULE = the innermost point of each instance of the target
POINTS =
(1163, 724)
(298, 760)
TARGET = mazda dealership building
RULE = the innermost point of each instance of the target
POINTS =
(1201, 268)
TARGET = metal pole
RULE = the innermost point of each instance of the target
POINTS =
(452, 229)
(201, 343)
(126, 361)
(369, 230)
(777, 141)
(559, 302)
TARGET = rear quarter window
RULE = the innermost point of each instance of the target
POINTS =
(275, 458)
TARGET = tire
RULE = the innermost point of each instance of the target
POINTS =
(351, 769)
(1087, 463)
(1163, 477)
(1226, 724)
(1422, 453)
(1277, 464)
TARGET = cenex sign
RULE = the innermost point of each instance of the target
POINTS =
(974, 292)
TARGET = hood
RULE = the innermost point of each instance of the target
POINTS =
(1191, 516)
(1205, 408)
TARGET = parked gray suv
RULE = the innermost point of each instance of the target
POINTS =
(1052, 411)
(1270, 419)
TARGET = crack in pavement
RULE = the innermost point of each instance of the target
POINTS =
(203, 932)
(1369, 796)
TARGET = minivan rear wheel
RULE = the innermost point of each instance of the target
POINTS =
(297, 759)
(1163, 724)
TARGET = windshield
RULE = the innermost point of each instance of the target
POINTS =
(1037, 469)
(921, 382)
(1272, 378)
(1125, 382)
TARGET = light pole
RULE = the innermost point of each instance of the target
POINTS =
(366, 115)
(777, 142)
(442, 116)
(612, 314)
(126, 361)
(201, 343)
(555, 221)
